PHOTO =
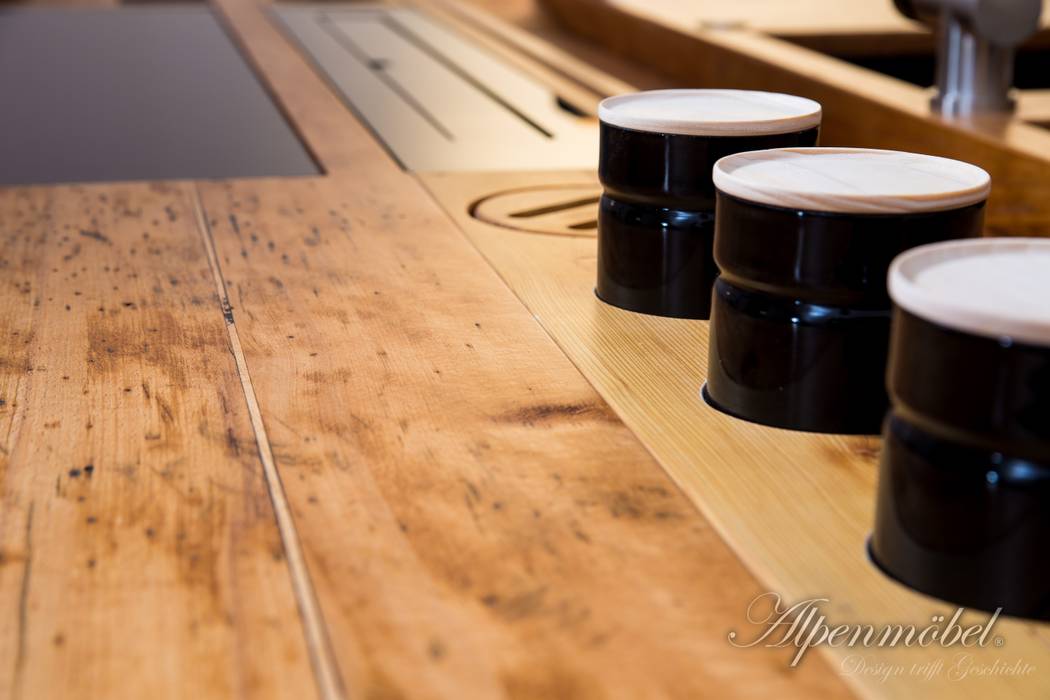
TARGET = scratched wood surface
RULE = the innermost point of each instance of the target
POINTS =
(294, 437)
(332, 454)
(138, 551)
(476, 522)
(797, 507)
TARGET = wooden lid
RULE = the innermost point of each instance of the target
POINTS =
(710, 112)
(996, 287)
(851, 180)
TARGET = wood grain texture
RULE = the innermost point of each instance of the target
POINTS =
(474, 519)
(468, 508)
(861, 108)
(851, 180)
(476, 522)
(797, 507)
(138, 553)
(329, 683)
(711, 112)
(995, 287)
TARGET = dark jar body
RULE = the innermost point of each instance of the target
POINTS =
(964, 479)
(800, 323)
(656, 219)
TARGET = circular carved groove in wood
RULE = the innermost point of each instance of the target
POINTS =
(560, 210)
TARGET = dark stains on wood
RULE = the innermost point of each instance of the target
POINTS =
(553, 412)
(96, 235)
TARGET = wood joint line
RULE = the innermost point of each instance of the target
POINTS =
(326, 672)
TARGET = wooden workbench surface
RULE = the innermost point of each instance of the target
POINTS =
(294, 438)
(335, 436)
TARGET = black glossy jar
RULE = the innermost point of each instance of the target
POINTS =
(800, 320)
(656, 218)
(963, 508)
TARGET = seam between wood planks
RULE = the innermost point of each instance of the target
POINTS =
(23, 605)
(326, 673)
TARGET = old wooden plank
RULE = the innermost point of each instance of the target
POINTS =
(475, 520)
(469, 509)
(138, 551)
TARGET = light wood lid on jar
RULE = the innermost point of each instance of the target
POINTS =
(710, 112)
(851, 180)
(995, 287)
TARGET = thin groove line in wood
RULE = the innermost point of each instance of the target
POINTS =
(326, 672)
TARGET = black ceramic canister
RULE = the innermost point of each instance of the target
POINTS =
(656, 219)
(800, 318)
(963, 508)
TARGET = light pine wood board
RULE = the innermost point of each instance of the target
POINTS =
(797, 507)
(138, 552)
(861, 108)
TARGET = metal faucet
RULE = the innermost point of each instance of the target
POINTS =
(977, 41)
